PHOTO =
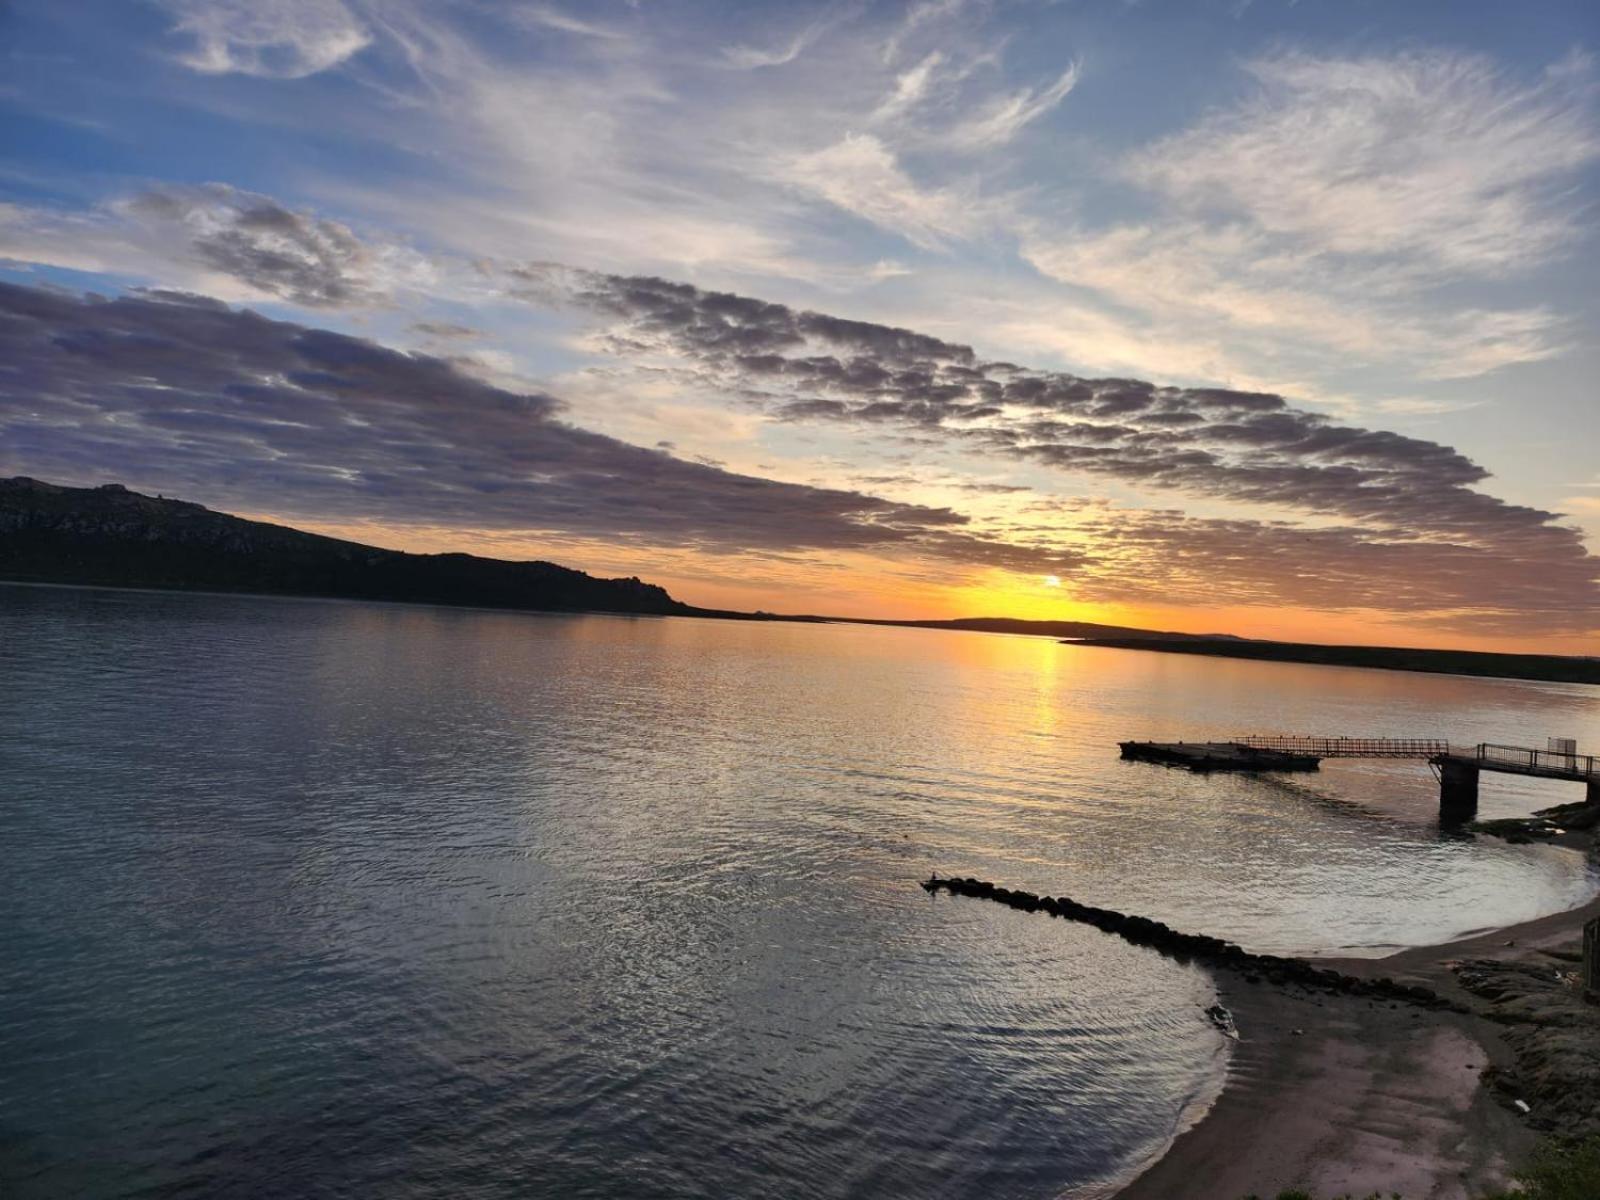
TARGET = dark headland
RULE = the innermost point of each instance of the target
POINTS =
(110, 536)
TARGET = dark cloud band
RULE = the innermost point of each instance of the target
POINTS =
(192, 397)
(1417, 536)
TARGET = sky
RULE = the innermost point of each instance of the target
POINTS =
(1248, 316)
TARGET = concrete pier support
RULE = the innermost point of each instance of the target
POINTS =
(1592, 793)
(1458, 791)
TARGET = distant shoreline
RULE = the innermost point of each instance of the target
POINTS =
(1543, 668)
(1532, 667)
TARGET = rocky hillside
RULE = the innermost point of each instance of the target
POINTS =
(111, 536)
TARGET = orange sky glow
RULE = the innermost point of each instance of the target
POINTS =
(861, 586)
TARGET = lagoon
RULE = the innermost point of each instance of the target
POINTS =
(325, 898)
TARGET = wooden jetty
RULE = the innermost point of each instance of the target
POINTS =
(1217, 756)
(1458, 767)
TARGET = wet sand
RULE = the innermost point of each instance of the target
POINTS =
(1335, 1093)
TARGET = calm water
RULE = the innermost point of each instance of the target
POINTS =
(307, 898)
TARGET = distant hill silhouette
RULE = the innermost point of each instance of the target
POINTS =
(114, 537)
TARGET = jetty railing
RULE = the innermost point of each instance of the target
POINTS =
(1545, 760)
(1343, 747)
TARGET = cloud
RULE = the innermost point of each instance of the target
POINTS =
(1246, 448)
(1332, 210)
(861, 175)
(1165, 556)
(937, 105)
(910, 87)
(1435, 158)
(1235, 280)
(277, 251)
(800, 366)
(212, 234)
(191, 397)
(749, 58)
(445, 331)
(917, 17)
(1326, 213)
(639, 155)
(547, 16)
(1004, 117)
(618, 150)
(282, 39)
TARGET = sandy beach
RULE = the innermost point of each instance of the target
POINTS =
(1340, 1094)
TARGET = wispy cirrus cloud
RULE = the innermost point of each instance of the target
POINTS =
(861, 175)
(917, 17)
(1233, 280)
(1000, 119)
(283, 39)
(1336, 208)
(750, 58)
(548, 16)
(1435, 159)
(911, 87)
(1330, 208)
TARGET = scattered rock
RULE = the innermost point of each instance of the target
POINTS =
(1554, 1033)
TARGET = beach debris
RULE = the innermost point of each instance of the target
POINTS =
(1223, 1020)
(1298, 1032)
(1523, 1105)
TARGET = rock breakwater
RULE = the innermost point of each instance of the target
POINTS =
(1195, 947)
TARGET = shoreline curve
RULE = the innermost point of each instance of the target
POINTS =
(1339, 1094)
